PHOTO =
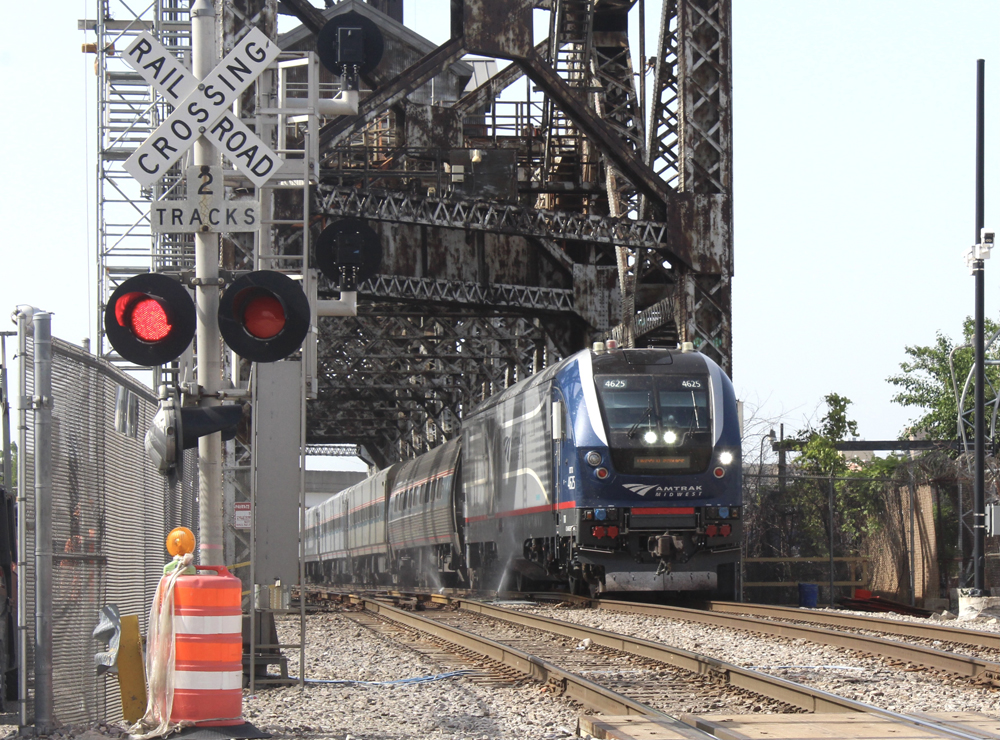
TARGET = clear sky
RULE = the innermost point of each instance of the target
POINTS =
(854, 182)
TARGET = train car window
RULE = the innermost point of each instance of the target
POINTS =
(634, 402)
(687, 408)
(626, 406)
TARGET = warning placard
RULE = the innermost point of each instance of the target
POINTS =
(241, 515)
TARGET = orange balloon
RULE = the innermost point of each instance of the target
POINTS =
(180, 541)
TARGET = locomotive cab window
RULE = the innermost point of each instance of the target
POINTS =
(657, 423)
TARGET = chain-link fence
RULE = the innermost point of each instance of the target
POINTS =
(111, 512)
(906, 537)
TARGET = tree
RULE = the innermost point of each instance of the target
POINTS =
(819, 457)
(925, 382)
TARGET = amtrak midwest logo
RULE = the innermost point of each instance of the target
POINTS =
(665, 491)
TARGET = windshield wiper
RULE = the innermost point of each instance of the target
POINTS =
(645, 415)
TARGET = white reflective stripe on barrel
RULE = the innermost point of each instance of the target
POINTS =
(215, 625)
(208, 680)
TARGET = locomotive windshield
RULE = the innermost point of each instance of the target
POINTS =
(657, 422)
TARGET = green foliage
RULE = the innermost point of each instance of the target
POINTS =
(925, 379)
(818, 454)
(802, 509)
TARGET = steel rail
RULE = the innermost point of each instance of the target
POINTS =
(570, 684)
(779, 689)
(943, 632)
(963, 665)
(610, 702)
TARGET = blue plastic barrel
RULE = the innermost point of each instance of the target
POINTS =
(808, 595)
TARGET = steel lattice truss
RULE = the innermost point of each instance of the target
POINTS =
(452, 317)
(494, 217)
(401, 378)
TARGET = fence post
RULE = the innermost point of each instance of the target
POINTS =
(831, 540)
(42, 403)
(912, 545)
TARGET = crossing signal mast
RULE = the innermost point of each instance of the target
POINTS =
(263, 316)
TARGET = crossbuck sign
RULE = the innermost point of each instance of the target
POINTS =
(202, 108)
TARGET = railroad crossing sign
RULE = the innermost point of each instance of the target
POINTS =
(202, 108)
(205, 209)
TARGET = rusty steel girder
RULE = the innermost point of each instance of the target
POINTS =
(481, 291)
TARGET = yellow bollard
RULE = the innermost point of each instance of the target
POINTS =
(131, 670)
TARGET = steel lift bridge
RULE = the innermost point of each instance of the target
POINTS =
(526, 199)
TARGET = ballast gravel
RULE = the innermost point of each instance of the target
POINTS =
(452, 708)
(904, 689)
(460, 708)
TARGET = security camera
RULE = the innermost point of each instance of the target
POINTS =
(986, 237)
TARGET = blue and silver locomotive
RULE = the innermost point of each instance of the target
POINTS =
(612, 470)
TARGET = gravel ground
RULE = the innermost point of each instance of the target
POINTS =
(983, 623)
(837, 670)
(462, 708)
(459, 708)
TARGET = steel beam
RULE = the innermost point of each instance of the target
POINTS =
(642, 177)
(414, 76)
(478, 215)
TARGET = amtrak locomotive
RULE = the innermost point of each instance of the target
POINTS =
(612, 470)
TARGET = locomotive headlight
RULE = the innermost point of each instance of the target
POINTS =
(670, 437)
(594, 458)
(725, 457)
(649, 437)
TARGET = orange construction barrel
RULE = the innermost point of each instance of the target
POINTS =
(208, 664)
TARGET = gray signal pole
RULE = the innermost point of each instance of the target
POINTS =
(979, 490)
(209, 339)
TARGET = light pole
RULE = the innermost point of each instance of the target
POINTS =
(978, 253)
(772, 437)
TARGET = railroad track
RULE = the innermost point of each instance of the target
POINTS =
(621, 675)
(920, 630)
(967, 666)
(815, 627)
(480, 670)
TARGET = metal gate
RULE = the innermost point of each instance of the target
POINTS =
(111, 512)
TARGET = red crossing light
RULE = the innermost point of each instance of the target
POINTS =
(264, 316)
(146, 316)
(150, 319)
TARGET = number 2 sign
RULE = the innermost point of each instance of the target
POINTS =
(205, 208)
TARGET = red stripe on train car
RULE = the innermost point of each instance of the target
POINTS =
(520, 512)
(414, 484)
(659, 510)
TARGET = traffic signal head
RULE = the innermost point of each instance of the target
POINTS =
(350, 44)
(176, 428)
(264, 316)
(150, 319)
(348, 252)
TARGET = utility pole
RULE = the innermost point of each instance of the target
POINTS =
(209, 339)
